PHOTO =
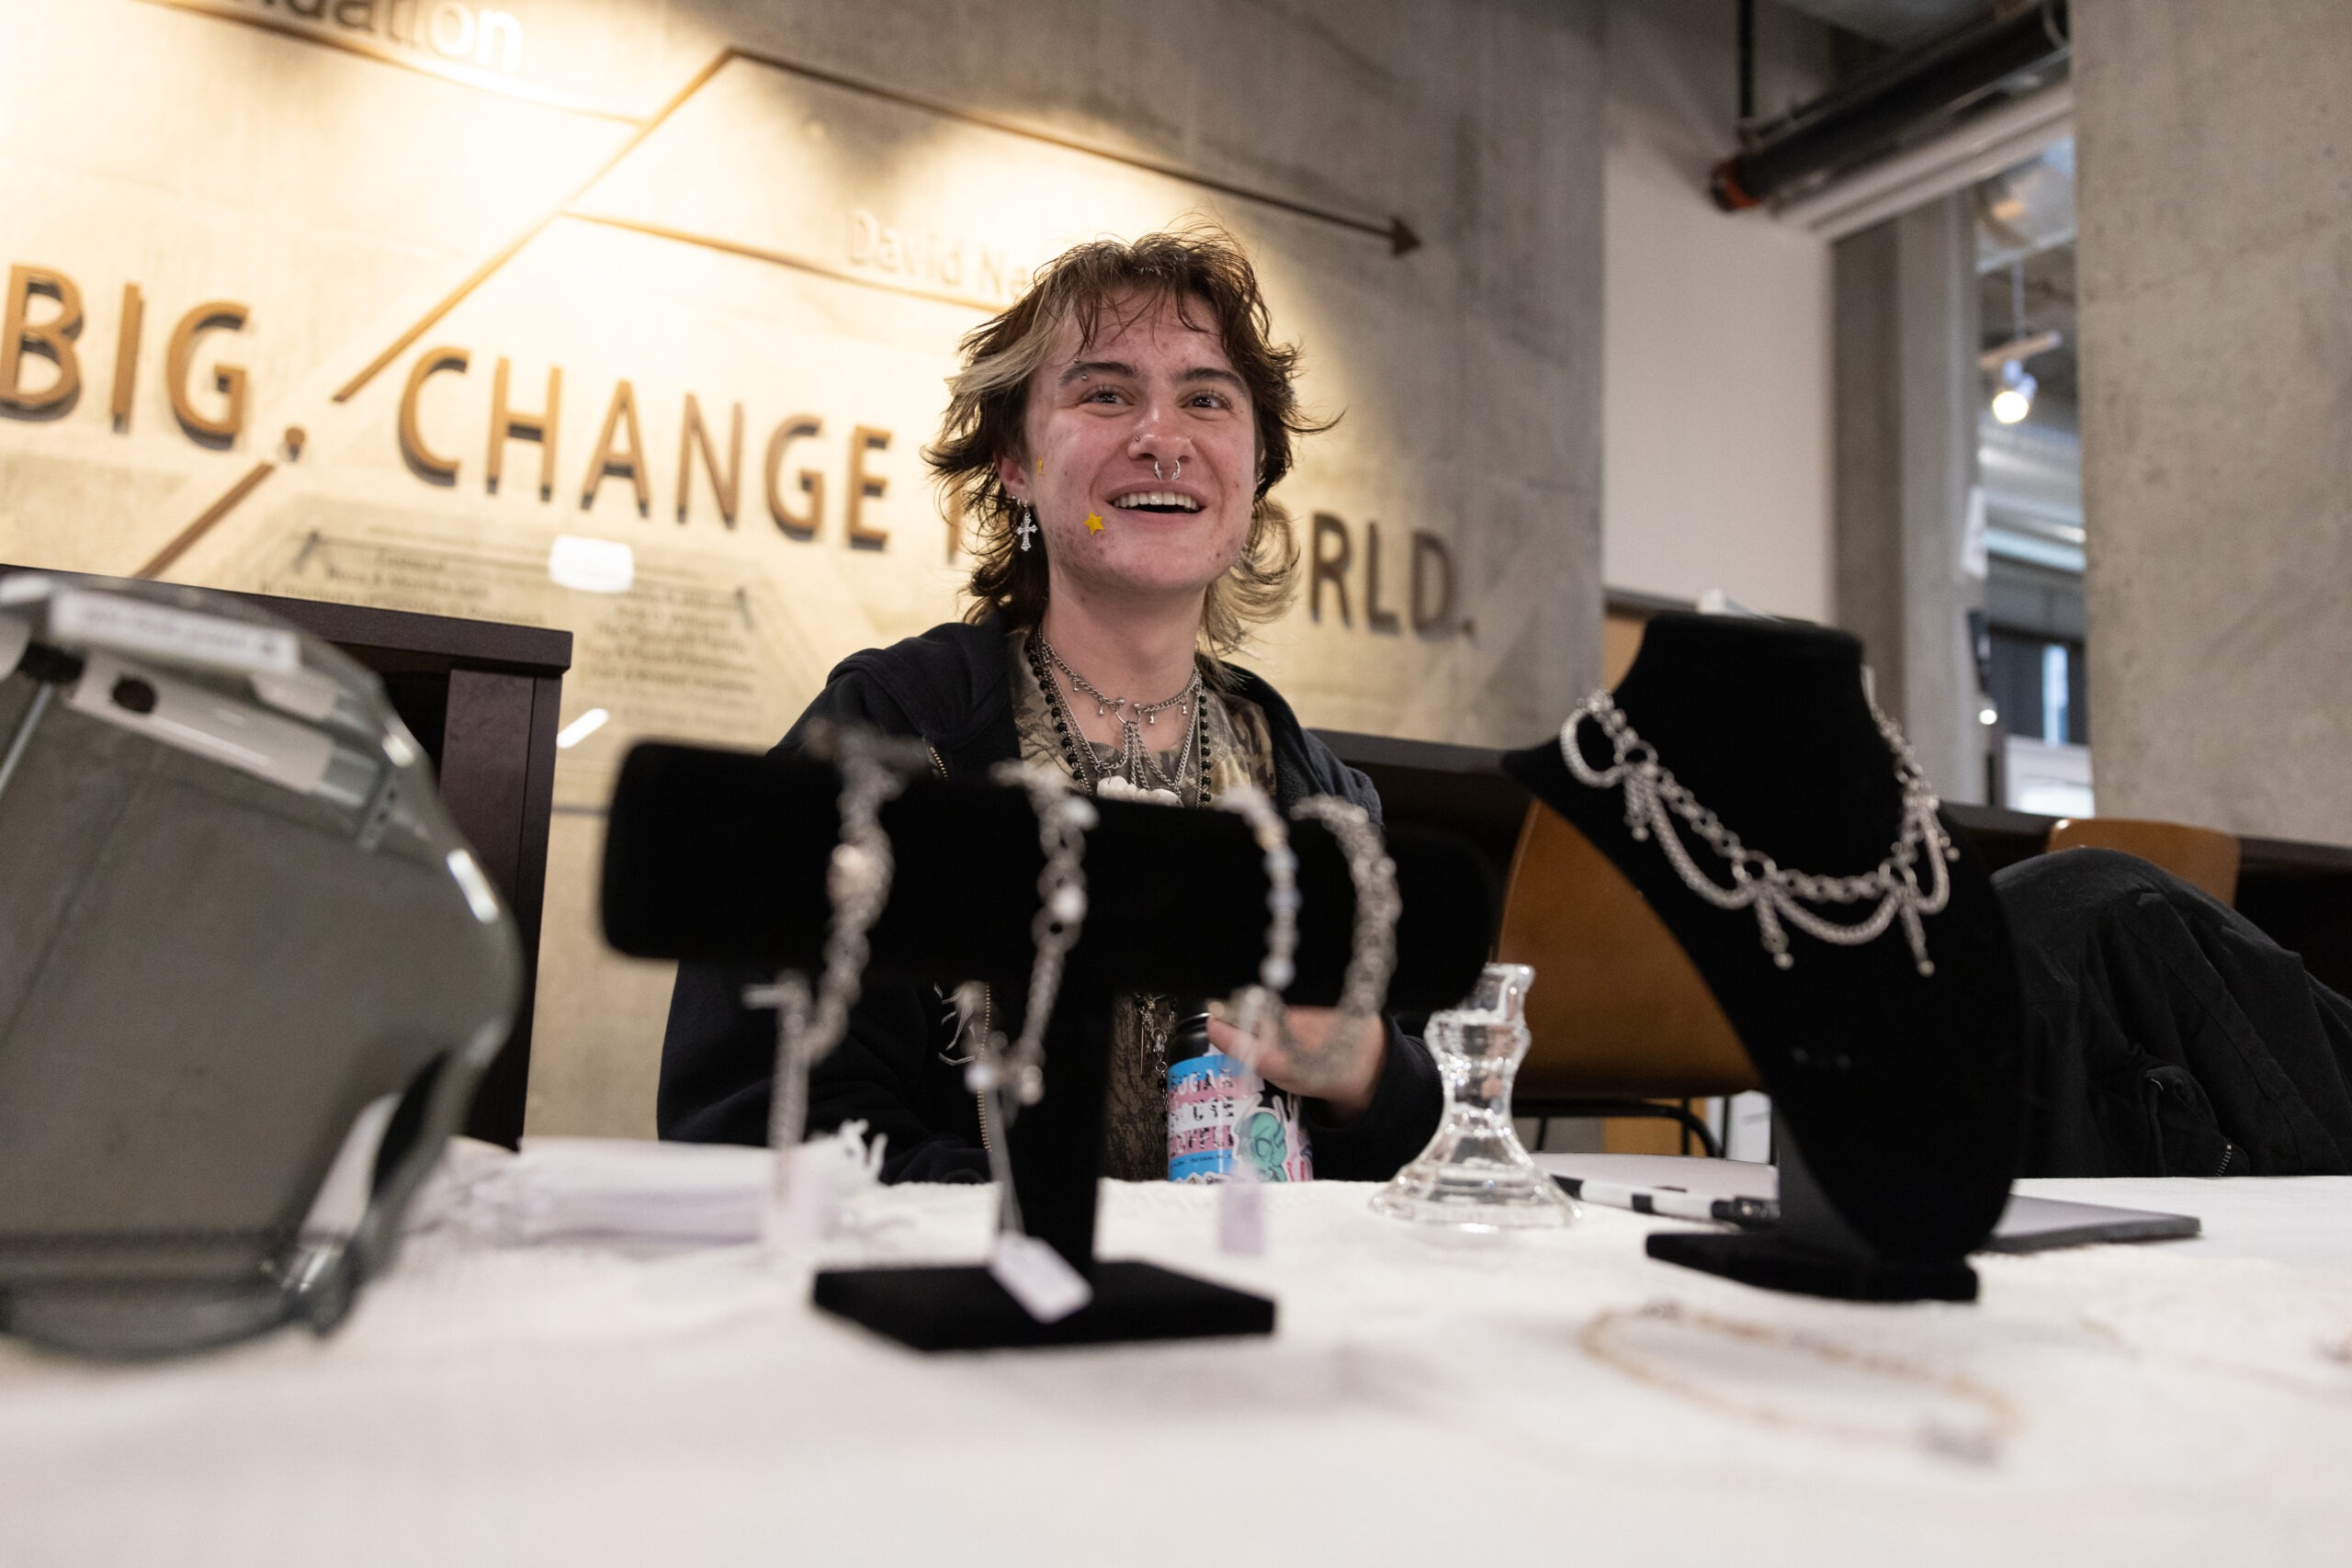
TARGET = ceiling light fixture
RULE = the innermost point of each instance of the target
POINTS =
(2015, 399)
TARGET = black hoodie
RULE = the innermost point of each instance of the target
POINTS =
(949, 688)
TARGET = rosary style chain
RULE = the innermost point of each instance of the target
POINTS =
(1372, 958)
(874, 770)
(1004, 1078)
(1256, 1004)
(1062, 821)
(1654, 798)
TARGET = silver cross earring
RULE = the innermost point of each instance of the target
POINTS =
(1027, 527)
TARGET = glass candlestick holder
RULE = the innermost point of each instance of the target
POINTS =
(1475, 1176)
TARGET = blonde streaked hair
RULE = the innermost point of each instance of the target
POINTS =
(1213, 286)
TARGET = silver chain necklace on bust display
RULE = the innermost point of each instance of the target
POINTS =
(1653, 797)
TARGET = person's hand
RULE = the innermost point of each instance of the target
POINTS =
(1316, 1057)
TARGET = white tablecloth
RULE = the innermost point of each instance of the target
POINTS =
(1423, 1400)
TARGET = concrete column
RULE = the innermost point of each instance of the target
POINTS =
(1905, 308)
(2215, 269)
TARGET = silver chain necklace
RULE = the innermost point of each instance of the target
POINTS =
(1136, 764)
(1653, 797)
(874, 770)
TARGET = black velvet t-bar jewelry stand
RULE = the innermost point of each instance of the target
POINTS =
(720, 855)
(1898, 1097)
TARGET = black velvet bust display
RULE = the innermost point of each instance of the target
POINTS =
(722, 855)
(1897, 1096)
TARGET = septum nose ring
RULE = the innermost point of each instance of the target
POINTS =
(1168, 479)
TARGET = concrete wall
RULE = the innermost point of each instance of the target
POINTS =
(2215, 268)
(1905, 337)
(791, 246)
(1717, 416)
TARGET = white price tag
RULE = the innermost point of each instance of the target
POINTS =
(1037, 1277)
(187, 636)
(808, 1210)
(1242, 1218)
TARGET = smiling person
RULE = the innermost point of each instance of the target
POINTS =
(1113, 439)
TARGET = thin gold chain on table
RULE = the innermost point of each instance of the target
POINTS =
(1982, 1446)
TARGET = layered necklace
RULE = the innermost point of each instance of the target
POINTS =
(1137, 766)
(1654, 797)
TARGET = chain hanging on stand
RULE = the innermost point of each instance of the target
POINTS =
(874, 770)
(1009, 1077)
(1240, 1209)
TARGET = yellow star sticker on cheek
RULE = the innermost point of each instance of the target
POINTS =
(1093, 522)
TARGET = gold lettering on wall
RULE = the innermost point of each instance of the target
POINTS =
(864, 487)
(729, 488)
(508, 422)
(179, 357)
(1374, 617)
(1433, 595)
(610, 460)
(126, 355)
(498, 39)
(1328, 568)
(421, 459)
(1430, 598)
(954, 264)
(802, 525)
(53, 340)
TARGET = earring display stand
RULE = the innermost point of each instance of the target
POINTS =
(718, 855)
(1898, 1095)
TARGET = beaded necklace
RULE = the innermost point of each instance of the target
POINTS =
(1140, 769)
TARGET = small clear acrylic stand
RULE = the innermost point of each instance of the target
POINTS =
(1474, 1175)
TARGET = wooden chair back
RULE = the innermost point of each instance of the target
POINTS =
(2202, 857)
(1617, 1007)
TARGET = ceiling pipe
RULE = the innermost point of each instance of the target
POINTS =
(1864, 116)
(2021, 349)
(1978, 148)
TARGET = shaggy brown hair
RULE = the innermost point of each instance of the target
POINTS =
(1202, 270)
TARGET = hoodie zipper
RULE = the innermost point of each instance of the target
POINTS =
(988, 1113)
